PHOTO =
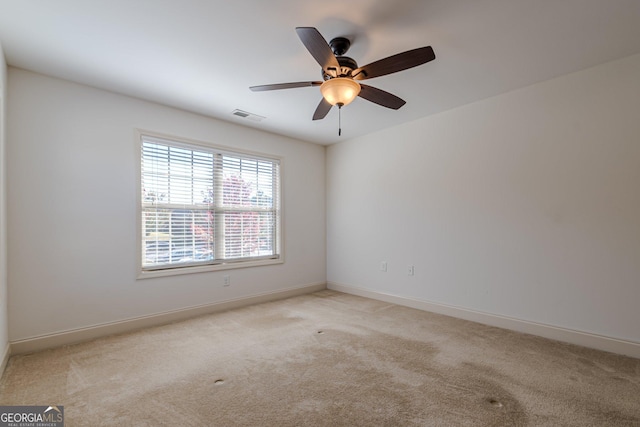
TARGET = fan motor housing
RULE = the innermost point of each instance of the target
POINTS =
(347, 65)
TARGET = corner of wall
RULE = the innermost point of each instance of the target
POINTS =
(4, 305)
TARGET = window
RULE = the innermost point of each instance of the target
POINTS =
(206, 207)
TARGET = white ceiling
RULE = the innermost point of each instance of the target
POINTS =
(202, 55)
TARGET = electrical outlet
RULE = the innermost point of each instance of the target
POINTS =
(383, 266)
(410, 270)
(227, 280)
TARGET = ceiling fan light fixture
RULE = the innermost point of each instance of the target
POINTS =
(340, 90)
(340, 72)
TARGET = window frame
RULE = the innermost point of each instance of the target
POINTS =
(214, 265)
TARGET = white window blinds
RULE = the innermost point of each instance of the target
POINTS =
(204, 206)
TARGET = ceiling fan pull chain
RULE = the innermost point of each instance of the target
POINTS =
(339, 120)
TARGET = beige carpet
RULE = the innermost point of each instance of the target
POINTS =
(328, 359)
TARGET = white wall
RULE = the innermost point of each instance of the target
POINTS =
(4, 320)
(72, 209)
(525, 205)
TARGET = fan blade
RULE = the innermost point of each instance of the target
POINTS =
(322, 110)
(395, 63)
(380, 97)
(283, 86)
(318, 48)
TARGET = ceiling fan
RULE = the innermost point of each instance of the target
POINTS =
(341, 74)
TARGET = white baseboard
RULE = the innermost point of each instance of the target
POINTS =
(5, 358)
(58, 339)
(585, 339)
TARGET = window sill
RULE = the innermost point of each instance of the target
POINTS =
(178, 271)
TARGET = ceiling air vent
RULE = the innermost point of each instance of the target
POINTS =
(247, 115)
